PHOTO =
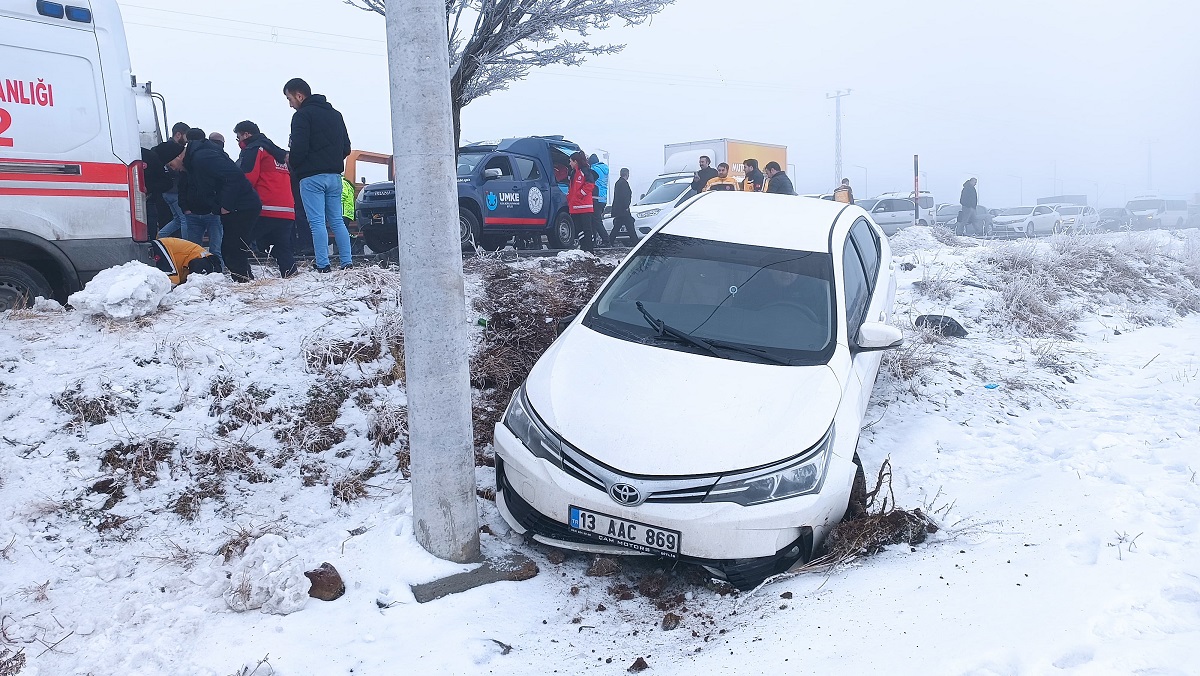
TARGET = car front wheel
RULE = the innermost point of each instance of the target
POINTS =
(468, 229)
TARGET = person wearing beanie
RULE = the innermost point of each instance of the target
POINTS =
(216, 186)
(167, 151)
(198, 225)
(600, 199)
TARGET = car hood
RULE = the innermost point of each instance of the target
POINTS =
(1004, 220)
(653, 411)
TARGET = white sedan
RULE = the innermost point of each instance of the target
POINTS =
(1026, 221)
(656, 204)
(1078, 219)
(743, 338)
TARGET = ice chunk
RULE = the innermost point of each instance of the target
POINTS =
(270, 576)
(124, 292)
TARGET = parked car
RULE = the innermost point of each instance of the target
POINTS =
(981, 226)
(746, 481)
(1026, 221)
(656, 204)
(867, 205)
(1193, 216)
(1154, 212)
(514, 187)
(893, 213)
(928, 213)
(1115, 218)
(1077, 219)
(947, 213)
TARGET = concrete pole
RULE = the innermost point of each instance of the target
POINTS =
(434, 306)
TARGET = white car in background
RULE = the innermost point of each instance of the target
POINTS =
(656, 204)
(1155, 212)
(743, 337)
(1026, 221)
(928, 214)
(1078, 219)
(893, 213)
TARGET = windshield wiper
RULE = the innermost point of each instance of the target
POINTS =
(664, 330)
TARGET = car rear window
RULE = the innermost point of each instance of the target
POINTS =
(777, 300)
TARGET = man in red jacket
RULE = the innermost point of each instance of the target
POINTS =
(265, 165)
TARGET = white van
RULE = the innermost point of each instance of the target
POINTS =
(1151, 211)
(72, 198)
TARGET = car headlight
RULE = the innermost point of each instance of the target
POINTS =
(648, 213)
(797, 476)
(1070, 220)
(525, 425)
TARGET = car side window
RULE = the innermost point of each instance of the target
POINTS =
(858, 292)
(1040, 211)
(868, 248)
(527, 169)
(500, 162)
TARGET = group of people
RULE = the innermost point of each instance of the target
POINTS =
(587, 198)
(772, 178)
(249, 205)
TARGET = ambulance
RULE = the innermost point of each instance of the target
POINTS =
(73, 122)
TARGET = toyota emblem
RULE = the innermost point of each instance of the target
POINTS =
(625, 494)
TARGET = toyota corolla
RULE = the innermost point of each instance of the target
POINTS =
(706, 404)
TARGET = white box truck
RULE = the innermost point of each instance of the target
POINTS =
(72, 198)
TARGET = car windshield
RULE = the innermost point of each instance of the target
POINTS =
(1145, 205)
(1016, 211)
(775, 300)
(1112, 213)
(866, 204)
(949, 209)
(1070, 211)
(665, 192)
(468, 161)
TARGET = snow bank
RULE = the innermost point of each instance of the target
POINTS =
(270, 576)
(125, 292)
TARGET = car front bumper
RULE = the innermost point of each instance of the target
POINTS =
(742, 544)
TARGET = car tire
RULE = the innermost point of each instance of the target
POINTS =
(470, 233)
(1179, 224)
(856, 506)
(20, 284)
(1029, 229)
(562, 235)
(377, 240)
(922, 222)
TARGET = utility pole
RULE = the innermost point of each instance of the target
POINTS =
(434, 309)
(837, 134)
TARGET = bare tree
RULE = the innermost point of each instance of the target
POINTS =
(508, 38)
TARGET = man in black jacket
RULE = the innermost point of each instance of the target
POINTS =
(167, 151)
(622, 218)
(777, 180)
(706, 174)
(968, 200)
(215, 185)
(754, 177)
(319, 146)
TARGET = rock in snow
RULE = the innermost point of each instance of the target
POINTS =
(269, 576)
(125, 292)
(327, 583)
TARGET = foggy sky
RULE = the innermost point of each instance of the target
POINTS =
(1016, 93)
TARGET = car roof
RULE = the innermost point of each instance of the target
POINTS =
(759, 219)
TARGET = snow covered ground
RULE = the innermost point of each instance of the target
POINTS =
(138, 458)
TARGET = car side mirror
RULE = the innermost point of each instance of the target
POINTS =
(876, 336)
(562, 324)
(643, 196)
(877, 210)
(492, 174)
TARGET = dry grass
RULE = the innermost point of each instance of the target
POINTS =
(909, 363)
(11, 663)
(388, 425)
(353, 485)
(88, 410)
(241, 535)
(35, 593)
(521, 306)
(139, 461)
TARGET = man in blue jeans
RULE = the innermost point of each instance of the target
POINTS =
(319, 146)
(167, 151)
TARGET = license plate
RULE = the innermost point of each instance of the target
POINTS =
(632, 534)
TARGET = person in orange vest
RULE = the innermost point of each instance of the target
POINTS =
(754, 178)
(844, 193)
(179, 258)
(722, 182)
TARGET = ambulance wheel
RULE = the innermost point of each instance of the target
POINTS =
(20, 284)
(563, 234)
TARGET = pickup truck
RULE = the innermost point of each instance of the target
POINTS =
(515, 187)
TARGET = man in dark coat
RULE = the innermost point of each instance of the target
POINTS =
(319, 146)
(754, 177)
(622, 217)
(706, 174)
(777, 180)
(167, 151)
(968, 200)
(215, 185)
